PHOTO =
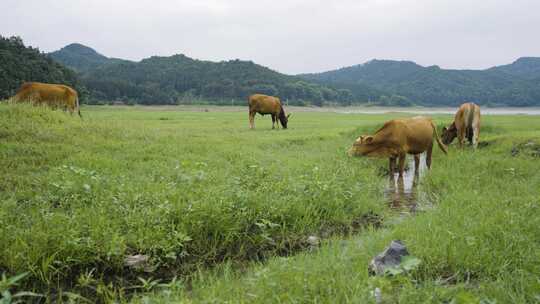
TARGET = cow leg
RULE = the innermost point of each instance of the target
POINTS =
(251, 120)
(475, 138)
(470, 135)
(273, 120)
(402, 163)
(416, 163)
(476, 132)
(414, 182)
(429, 151)
(392, 165)
(461, 136)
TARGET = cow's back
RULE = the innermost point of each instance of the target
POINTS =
(51, 94)
(466, 114)
(264, 104)
(419, 134)
(412, 135)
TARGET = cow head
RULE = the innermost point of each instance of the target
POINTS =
(284, 119)
(448, 134)
(366, 145)
(362, 146)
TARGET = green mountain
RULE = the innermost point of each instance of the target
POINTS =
(525, 67)
(81, 58)
(20, 63)
(516, 84)
(376, 73)
(180, 79)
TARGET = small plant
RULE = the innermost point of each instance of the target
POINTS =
(7, 284)
(408, 263)
(148, 285)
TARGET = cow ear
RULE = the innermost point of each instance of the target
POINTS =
(368, 139)
(444, 129)
(289, 115)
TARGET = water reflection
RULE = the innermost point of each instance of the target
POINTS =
(402, 192)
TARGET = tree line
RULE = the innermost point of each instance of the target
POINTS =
(19, 63)
(404, 83)
(179, 79)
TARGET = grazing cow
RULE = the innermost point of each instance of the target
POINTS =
(264, 104)
(53, 95)
(466, 123)
(400, 137)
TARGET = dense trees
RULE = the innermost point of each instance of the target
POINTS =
(81, 58)
(19, 63)
(405, 83)
(179, 79)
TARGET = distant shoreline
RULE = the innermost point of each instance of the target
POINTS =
(342, 110)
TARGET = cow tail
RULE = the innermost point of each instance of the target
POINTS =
(441, 145)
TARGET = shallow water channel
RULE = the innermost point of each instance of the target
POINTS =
(403, 193)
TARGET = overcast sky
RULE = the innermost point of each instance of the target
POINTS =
(291, 36)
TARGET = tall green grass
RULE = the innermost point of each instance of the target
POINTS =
(479, 244)
(188, 189)
(214, 204)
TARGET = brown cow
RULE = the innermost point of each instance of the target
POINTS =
(400, 137)
(264, 104)
(53, 95)
(466, 123)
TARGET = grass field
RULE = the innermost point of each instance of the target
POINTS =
(224, 212)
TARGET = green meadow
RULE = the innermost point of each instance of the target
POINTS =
(223, 213)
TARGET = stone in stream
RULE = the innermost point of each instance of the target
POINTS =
(390, 257)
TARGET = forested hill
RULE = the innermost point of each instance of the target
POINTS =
(516, 84)
(19, 63)
(180, 79)
(81, 58)
(525, 67)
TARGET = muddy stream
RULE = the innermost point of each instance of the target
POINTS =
(404, 195)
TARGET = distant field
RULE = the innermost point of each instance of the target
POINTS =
(193, 189)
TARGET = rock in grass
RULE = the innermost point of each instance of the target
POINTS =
(138, 262)
(313, 240)
(390, 257)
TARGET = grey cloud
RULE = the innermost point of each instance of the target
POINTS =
(289, 36)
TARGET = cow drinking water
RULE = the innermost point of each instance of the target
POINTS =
(466, 124)
(264, 104)
(400, 137)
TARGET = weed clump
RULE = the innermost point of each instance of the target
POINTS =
(529, 148)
